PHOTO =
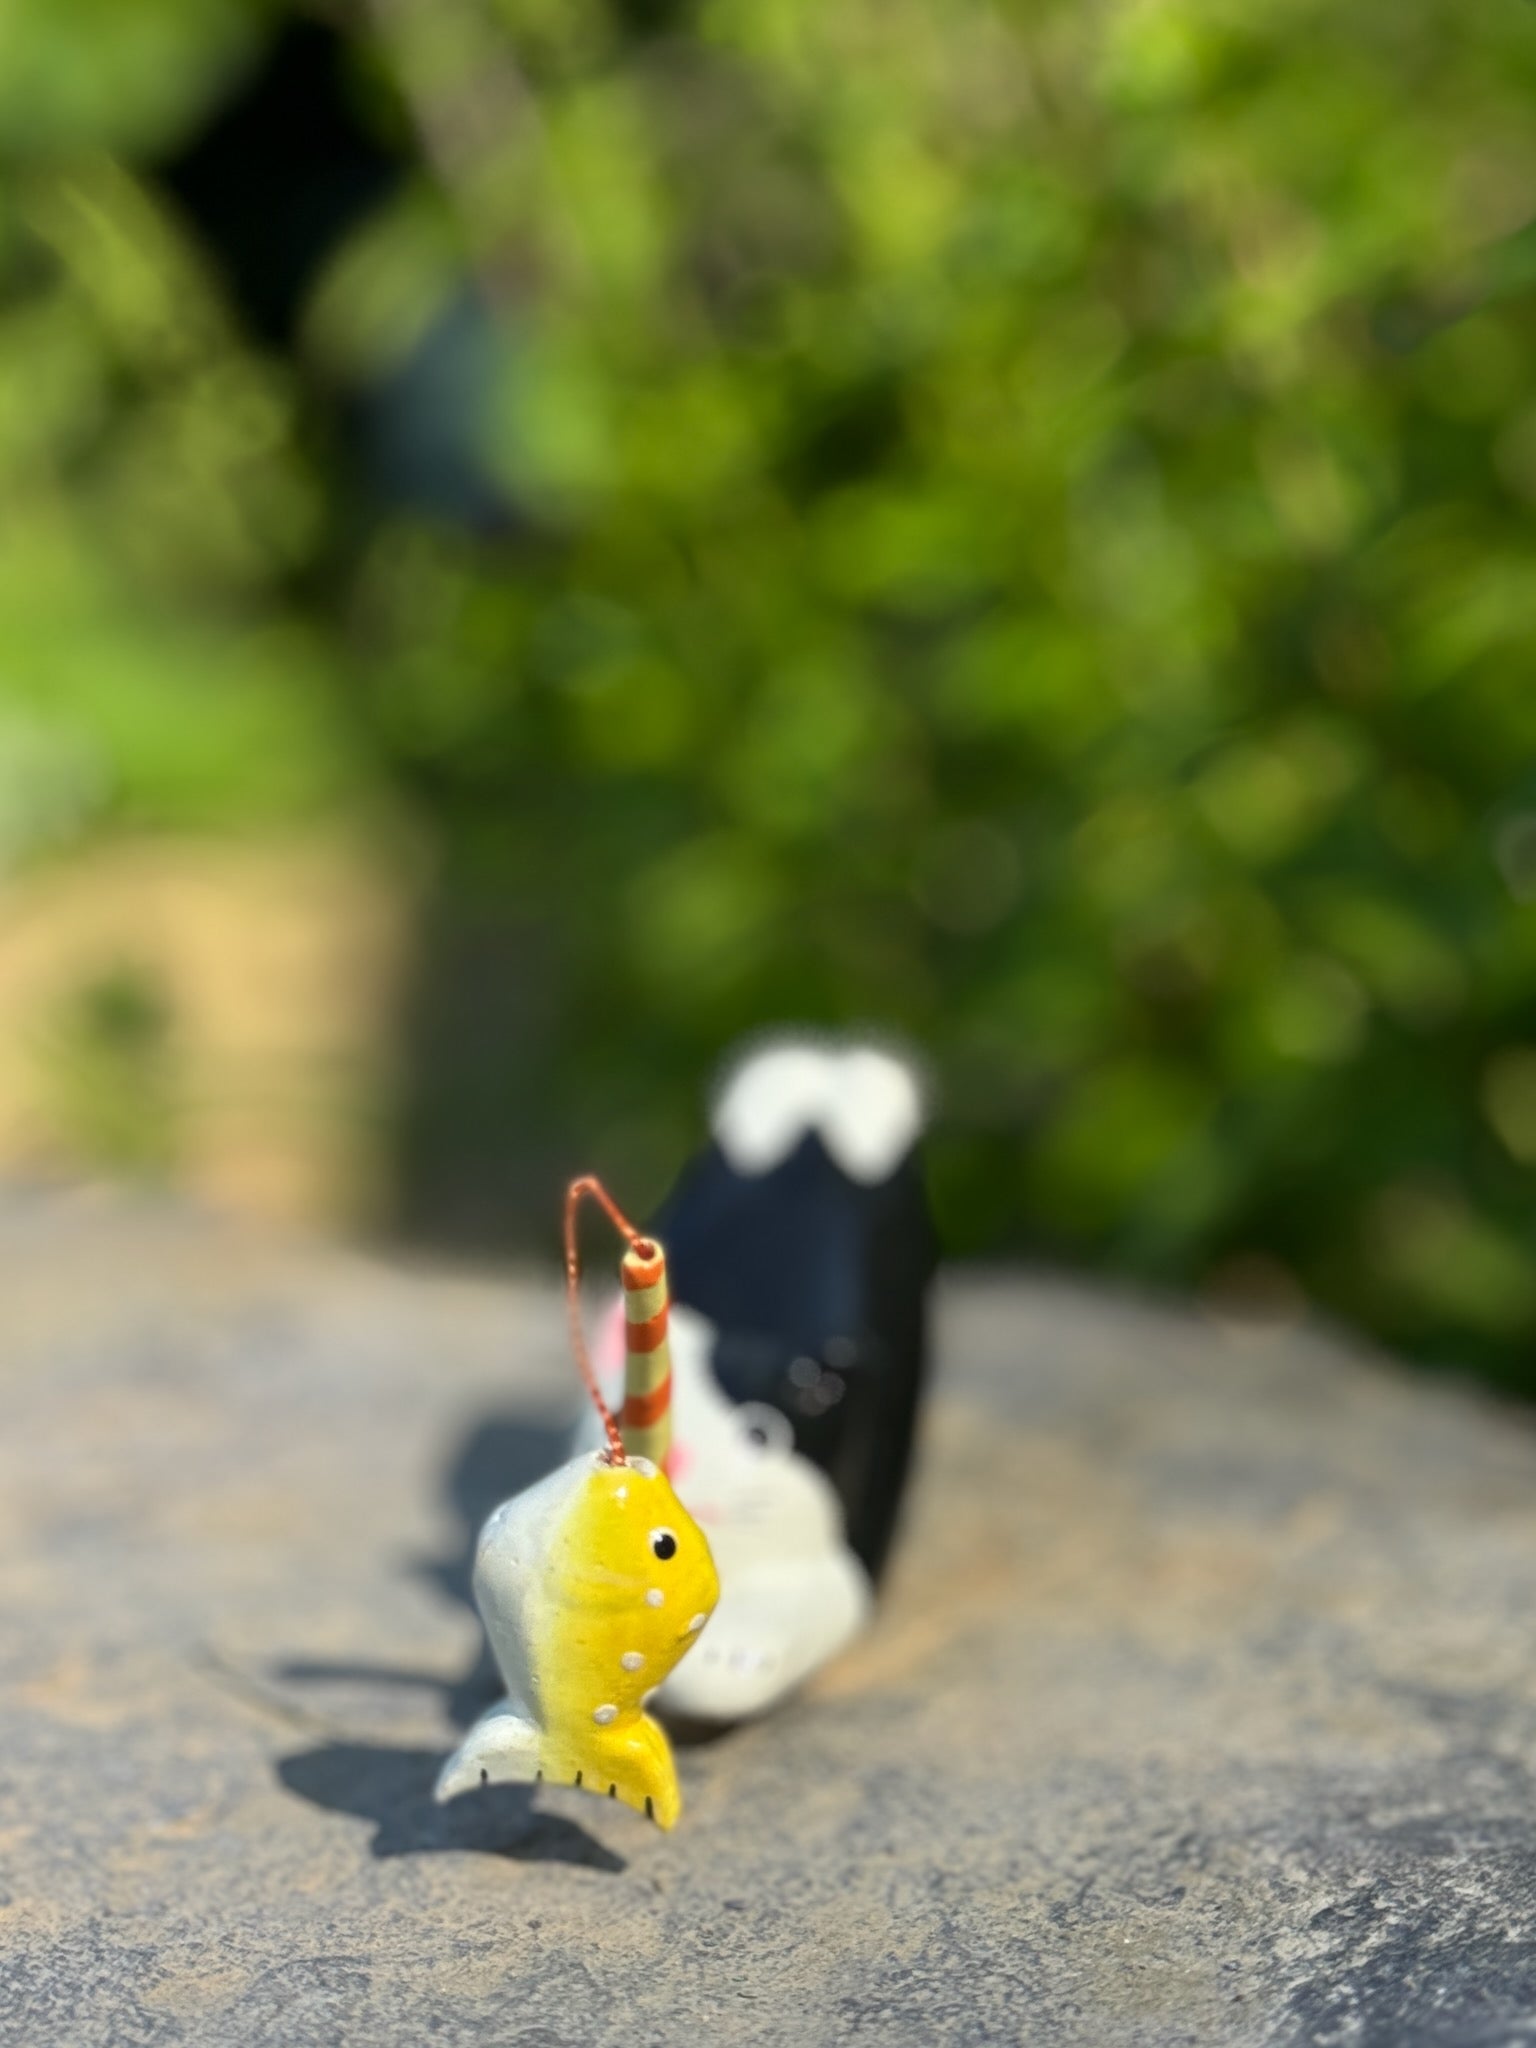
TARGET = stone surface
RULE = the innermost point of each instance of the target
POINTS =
(1201, 1707)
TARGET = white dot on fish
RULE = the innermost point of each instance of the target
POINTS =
(697, 1622)
(603, 1715)
(621, 1493)
(632, 1660)
(655, 1597)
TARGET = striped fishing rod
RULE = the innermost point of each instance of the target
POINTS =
(644, 1429)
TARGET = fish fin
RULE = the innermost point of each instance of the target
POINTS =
(658, 1796)
(501, 1749)
(631, 1764)
(648, 1779)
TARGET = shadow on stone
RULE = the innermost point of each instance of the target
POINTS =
(393, 1789)
(465, 1699)
(497, 1458)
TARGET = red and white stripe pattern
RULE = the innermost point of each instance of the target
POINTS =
(646, 1421)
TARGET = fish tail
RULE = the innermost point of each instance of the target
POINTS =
(501, 1749)
(642, 1774)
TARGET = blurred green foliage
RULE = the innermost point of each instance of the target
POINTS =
(1010, 522)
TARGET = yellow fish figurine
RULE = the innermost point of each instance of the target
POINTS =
(592, 1586)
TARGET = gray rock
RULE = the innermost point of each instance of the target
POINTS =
(1201, 1707)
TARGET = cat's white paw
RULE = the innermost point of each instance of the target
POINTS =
(776, 1623)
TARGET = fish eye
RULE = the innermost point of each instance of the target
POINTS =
(663, 1544)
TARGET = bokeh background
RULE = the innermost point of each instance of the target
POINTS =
(537, 536)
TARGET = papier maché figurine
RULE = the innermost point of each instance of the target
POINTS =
(592, 1584)
(800, 1254)
(766, 1415)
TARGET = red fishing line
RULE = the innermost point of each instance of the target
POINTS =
(588, 1184)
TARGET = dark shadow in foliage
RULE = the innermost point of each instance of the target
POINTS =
(481, 1136)
(284, 170)
(280, 174)
(393, 1789)
(498, 1457)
